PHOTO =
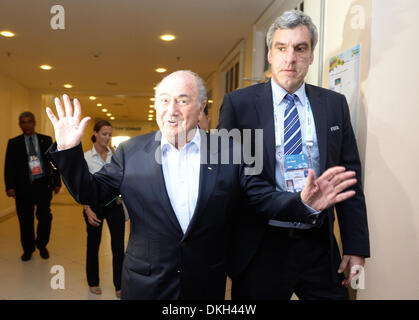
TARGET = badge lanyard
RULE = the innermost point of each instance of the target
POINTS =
(34, 162)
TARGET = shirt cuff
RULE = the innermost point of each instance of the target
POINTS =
(310, 209)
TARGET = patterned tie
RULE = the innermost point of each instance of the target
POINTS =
(32, 151)
(292, 128)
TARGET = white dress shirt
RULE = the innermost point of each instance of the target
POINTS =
(181, 176)
(304, 111)
(278, 95)
(95, 161)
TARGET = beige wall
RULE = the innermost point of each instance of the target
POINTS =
(14, 99)
(387, 136)
(392, 150)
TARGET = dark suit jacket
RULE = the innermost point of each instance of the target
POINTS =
(161, 262)
(252, 108)
(16, 168)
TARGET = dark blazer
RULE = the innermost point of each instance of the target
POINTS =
(160, 261)
(252, 108)
(16, 168)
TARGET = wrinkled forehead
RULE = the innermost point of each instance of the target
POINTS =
(178, 84)
(294, 37)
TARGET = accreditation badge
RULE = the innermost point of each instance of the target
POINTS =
(35, 165)
(296, 172)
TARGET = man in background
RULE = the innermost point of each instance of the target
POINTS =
(204, 120)
(30, 179)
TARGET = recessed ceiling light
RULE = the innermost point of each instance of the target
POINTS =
(7, 34)
(68, 86)
(104, 110)
(161, 70)
(99, 104)
(150, 111)
(112, 118)
(92, 98)
(109, 114)
(167, 37)
(151, 105)
(150, 119)
(45, 67)
(210, 101)
(152, 99)
(154, 88)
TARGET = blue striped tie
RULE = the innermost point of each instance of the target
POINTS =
(292, 128)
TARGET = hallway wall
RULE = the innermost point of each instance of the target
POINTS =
(14, 99)
(392, 150)
(387, 138)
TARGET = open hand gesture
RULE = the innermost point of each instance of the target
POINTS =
(327, 190)
(68, 128)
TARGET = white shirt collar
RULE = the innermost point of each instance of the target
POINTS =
(94, 152)
(166, 145)
(279, 93)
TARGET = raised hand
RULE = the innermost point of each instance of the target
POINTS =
(327, 189)
(68, 128)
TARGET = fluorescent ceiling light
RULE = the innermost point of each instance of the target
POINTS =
(167, 37)
(45, 67)
(7, 34)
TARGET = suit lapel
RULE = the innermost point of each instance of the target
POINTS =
(207, 179)
(22, 144)
(264, 109)
(41, 142)
(23, 153)
(158, 187)
(318, 107)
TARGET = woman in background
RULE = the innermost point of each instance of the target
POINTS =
(96, 158)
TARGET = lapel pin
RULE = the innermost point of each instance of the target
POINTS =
(209, 168)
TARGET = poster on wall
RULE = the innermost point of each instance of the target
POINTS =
(344, 70)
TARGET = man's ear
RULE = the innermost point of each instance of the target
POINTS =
(269, 56)
(204, 105)
(312, 57)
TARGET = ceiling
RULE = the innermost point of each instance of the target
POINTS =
(111, 48)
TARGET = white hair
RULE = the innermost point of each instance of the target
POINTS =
(202, 91)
